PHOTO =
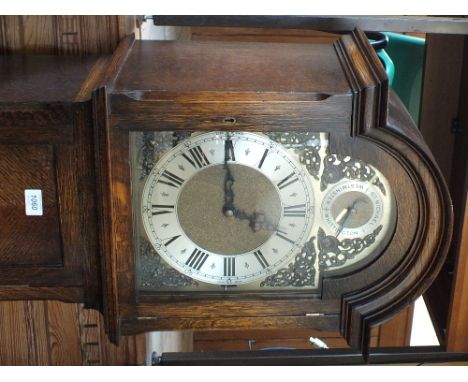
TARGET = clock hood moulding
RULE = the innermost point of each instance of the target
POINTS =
(340, 90)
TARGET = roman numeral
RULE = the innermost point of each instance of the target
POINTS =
(159, 209)
(197, 259)
(290, 179)
(261, 259)
(197, 157)
(263, 158)
(284, 237)
(297, 210)
(171, 240)
(229, 266)
(229, 151)
(171, 179)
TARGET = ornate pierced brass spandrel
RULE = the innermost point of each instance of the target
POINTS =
(300, 273)
(152, 146)
(334, 253)
(306, 144)
(338, 167)
(155, 273)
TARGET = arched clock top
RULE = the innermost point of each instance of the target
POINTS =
(424, 206)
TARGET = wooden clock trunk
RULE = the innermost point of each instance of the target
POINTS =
(37, 328)
(45, 135)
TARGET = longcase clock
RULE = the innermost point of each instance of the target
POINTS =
(250, 185)
(209, 185)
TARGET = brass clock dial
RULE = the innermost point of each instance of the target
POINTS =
(227, 208)
(257, 211)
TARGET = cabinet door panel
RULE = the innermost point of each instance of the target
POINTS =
(29, 240)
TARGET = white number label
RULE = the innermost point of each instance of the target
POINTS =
(33, 202)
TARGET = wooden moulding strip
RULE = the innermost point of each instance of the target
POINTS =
(104, 187)
(416, 24)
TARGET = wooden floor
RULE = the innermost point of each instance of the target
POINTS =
(55, 333)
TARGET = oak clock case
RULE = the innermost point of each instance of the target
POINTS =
(247, 211)
(219, 186)
(255, 185)
(228, 247)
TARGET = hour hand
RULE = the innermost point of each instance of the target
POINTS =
(228, 207)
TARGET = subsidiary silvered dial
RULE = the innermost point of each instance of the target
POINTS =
(227, 208)
(353, 208)
(358, 218)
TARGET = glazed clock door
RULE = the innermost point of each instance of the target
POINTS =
(249, 211)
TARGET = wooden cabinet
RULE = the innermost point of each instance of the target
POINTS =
(46, 144)
(66, 126)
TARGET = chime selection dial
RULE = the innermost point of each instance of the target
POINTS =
(353, 208)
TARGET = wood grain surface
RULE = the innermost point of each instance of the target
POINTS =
(394, 333)
(262, 35)
(44, 333)
(40, 125)
(28, 240)
(231, 66)
(63, 35)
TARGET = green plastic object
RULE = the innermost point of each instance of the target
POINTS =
(388, 64)
(407, 55)
(384, 57)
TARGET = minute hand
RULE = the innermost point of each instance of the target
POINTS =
(257, 220)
